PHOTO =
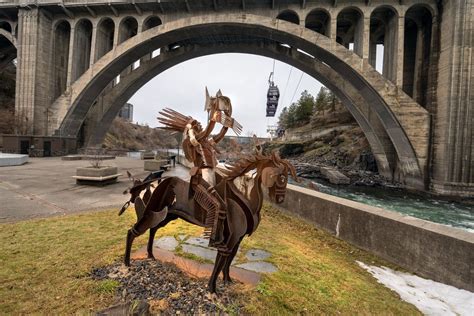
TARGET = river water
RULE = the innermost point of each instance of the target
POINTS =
(455, 214)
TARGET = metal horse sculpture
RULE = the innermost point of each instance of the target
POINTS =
(210, 199)
(170, 201)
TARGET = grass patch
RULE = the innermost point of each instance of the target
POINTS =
(108, 286)
(45, 265)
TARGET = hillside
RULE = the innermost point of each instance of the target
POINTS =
(327, 136)
(124, 135)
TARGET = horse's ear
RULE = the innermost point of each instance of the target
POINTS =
(129, 174)
(292, 171)
(219, 93)
(207, 106)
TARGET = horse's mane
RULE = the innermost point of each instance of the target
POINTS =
(245, 164)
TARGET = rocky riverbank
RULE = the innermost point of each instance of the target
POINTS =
(343, 176)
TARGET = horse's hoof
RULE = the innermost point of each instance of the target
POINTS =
(228, 281)
(212, 296)
(152, 257)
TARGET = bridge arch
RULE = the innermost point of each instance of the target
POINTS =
(350, 28)
(61, 40)
(384, 31)
(151, 22)
(8, 36)
(319, 20)
(7, 26)
(8, 48)
(105, 37)
(289, 16)
(114, 99)
(417, 51)
(81, 56)
(379, 94)
(128, 28)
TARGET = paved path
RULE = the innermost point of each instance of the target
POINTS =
(45, 187)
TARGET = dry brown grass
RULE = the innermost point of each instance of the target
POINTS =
(44, 266)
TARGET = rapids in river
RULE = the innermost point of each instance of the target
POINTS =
(424, 206)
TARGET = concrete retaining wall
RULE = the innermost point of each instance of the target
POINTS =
(433, 251)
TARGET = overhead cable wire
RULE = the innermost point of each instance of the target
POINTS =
(286, 86)
(296, 90)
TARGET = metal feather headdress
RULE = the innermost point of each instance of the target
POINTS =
(173, 120)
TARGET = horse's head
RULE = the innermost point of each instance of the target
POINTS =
(275, 177)
(138, 187)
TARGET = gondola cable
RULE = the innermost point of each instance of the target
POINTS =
(286, 86)
(296, 90)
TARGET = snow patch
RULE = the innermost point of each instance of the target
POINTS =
(430, 297)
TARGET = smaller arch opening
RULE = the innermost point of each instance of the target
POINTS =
(128, 28)
(82, 47)
(151, 22)
(62, 34)
(383, 41)
(289, 16)
(417, 48)
(319, 21)
(6, 26)
(350, 29)
(105, 37)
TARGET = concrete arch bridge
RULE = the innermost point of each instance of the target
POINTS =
(416, 114)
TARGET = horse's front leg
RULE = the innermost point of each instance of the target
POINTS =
(170, 217)
(131, 234)
(137, 230)
(151, 239)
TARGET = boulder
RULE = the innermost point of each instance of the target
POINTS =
(334, 176)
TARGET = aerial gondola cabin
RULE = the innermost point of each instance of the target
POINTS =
(273, 95)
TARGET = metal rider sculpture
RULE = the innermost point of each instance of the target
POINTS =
(200, 149)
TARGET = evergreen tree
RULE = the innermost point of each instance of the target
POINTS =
(322, 100)
(282, 119)
(304, 108)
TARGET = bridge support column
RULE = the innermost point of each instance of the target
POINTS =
(70, 58)
(33, 76)
(365, 38)
(453, 141)
(400, 49)
(93, 44)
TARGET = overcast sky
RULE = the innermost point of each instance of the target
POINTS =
(241, 77)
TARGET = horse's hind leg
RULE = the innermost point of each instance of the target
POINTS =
(228, 262)
(218, 265)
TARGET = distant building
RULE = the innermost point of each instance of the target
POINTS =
(127, 112)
